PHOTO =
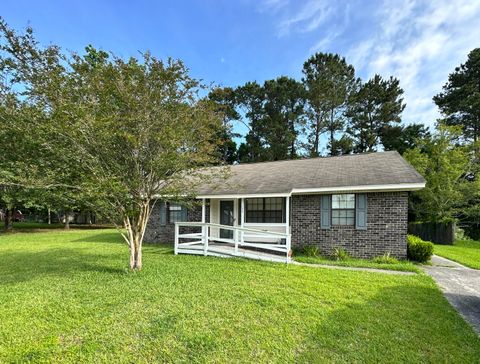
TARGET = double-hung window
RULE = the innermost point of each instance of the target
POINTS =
(177, 213)
(343, 209)
(265, 210)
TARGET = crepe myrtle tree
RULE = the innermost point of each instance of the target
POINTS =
(121, 132)
(140, 131)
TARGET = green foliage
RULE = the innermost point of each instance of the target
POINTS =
(120, 131)
(385, 259)
(330, 81)
(275, 114)
(376, 105)
(311, 251)
(401, 138)
(460, 99)
(446, 167)
(340, 254)
(419, 250)
(68, 297)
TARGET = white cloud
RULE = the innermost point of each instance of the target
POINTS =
(420, 43)
(306, 19)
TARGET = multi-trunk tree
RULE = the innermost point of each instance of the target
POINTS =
(133, 130)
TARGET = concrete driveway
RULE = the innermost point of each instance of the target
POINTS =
(460, 285)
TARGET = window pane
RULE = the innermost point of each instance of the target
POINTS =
(265, 210)
(175, 212)
(335, 201)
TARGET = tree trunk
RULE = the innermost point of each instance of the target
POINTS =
(66, 222)
(135, 231)
(8, 224)
(136, 254)
(49, 213)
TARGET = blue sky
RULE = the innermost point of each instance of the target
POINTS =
(231, 42)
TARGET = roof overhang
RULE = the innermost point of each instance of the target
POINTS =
(365, 188)
(323, 190)
(249, 195)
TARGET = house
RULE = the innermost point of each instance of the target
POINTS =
(355, 202)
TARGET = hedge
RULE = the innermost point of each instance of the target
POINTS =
(418, 249)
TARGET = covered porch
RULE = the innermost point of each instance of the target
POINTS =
(253, 226)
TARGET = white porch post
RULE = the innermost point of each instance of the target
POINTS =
(204, 229)
(287, 215)
(242, 217)
(176, 239)
(288, 241)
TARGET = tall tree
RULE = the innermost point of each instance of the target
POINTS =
(401, 138)
(375, 106)
(226, 105)
(283, 116)
(250, 99)
(329, 81)
(133, 129)
(460, 99)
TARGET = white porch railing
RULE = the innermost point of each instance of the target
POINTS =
(206, 243)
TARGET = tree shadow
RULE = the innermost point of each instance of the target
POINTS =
(410, 323)
(21, 266)
(102, 237)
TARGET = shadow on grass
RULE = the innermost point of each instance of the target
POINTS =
(427, 329)
(21, 266)
(102, 237)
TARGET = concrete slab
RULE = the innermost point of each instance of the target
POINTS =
(461, 287)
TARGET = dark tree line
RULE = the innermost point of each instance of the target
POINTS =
(329, 108)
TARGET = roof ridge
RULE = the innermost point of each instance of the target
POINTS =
(314, 158)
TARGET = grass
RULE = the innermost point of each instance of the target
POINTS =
(466, 252)
(401, 265)
(67, 297)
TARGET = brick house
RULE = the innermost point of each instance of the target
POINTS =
(356, 202)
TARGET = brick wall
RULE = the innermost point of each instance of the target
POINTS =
(386, 226)
(156, 233)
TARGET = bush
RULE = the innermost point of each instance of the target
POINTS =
(385, 259)
(311, 251)
(418, 249)
(340, 254)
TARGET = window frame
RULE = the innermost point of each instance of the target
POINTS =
(264, 216)
(178, 210)
(347, 209)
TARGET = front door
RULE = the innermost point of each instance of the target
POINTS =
(226, 218)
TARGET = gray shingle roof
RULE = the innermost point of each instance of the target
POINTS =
(369, 169)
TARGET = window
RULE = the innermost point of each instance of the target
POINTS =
(343, 209)
(265, 210)
(177, 213)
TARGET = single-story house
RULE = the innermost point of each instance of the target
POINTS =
(355, 202)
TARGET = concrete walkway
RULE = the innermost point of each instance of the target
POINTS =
(460, 285)
(374, 270)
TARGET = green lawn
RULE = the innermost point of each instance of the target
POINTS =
(361, 263)
(466, 252)
(67, 297)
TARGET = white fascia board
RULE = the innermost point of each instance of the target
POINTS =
(251, 195)
(367, 188)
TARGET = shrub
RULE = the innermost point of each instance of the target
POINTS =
(311, 251)
(385, 259)
(340, 254)
(418, 249)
